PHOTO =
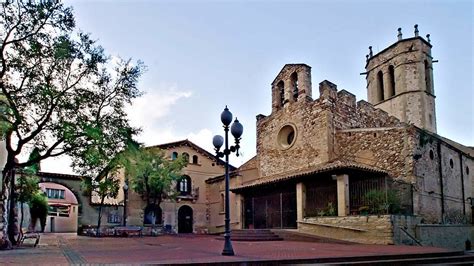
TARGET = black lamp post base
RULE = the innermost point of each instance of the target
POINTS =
(228, 250)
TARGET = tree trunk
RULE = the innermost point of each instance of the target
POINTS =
(11, 225)
(100, 215)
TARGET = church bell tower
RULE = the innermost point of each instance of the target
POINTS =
(400, 80)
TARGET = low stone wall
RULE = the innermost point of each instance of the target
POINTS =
(370, 229)
(444, 235)
(389, 229)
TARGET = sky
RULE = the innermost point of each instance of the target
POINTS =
(204, 55)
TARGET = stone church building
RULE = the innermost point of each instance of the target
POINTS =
(368, 172)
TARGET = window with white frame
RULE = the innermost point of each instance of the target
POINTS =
(53, 193)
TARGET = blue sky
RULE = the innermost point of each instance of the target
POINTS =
(202, 55)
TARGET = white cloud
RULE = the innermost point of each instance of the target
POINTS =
(57, 165)
(155, 104)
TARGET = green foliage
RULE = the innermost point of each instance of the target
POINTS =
(59, 91)
(379, 202)
(28, 181)
(151, 174)
(38, 204)
(425, 138)
(27, 187)
(330, 210)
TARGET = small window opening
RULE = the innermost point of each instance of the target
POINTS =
(184, 185)
(467, 170)
(195, 159)
(428, 77)
(431, 154)
(291, 137)
(281, 90)
(380, 86)
(391, 72)
(294, 85)
(174, 155)
(186, 156)
(375, 135)
(451, 163)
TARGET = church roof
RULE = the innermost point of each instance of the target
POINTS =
(335, 166)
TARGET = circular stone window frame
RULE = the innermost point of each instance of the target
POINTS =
(282, 136)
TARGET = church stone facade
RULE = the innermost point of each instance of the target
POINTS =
(319, 159)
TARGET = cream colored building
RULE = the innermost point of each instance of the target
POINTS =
(189, 212)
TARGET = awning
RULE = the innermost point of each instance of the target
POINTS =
(338, 166)
(59, 204)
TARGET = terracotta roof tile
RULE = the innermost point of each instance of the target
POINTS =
(322, 168)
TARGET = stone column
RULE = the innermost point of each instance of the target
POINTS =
(342, 195)
(300, 201)
(387, 85)
(238, 212)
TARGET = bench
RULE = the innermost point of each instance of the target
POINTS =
(128, 230)
(28, 235)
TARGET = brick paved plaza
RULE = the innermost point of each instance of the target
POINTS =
(72, 249)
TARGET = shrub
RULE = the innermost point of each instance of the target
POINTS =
(381, 202)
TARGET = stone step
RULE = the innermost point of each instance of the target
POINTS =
(451, 260)
(253, 235)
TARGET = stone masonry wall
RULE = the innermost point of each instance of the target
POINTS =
(444, 235)
(385, 148)
(315, 124)
(360, 229)
(434, 155)
(310, 121)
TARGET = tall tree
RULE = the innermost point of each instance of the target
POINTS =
(103, 187)
(27, 186)
(60, 91)
(152, 174)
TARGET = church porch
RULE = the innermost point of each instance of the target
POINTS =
(314, 198)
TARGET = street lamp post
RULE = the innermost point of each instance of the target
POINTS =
(236, 129)
(125, 197)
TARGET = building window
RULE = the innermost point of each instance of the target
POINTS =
(61, 211)
(294, 85)
(391, 74)
(184, 185)
(427, 76)
(52, 193)
(114, 218)
(174, 155)
(186, 156)
(467, 170)
(153, 215)
(451, 163)
(281, 90)
(380, 96)
(431, 154)
(286, 136)
(195, 159)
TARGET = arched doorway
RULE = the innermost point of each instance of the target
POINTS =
(185, 219)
